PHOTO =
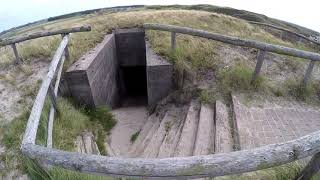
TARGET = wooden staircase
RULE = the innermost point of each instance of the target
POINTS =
(191, 130)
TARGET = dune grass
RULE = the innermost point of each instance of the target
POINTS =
(104, 23)
(67, 126)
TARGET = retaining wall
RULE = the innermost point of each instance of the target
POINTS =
(159, 76)
(92, 80)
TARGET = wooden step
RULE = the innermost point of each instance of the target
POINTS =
(204, 143)
(223, 140)
(143, 134)
(171, 139)
(140, 149)
(151, 151)
(86, 144)
(188, 135)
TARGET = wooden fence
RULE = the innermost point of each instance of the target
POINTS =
(175, 167)
(15, 40)
(284, 30)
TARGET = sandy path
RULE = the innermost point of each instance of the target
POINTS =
(129, 121)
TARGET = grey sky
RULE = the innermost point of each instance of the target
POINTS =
(17, 12)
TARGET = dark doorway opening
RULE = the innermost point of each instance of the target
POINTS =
(134, 85)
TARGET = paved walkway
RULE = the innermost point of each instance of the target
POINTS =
(273, 122)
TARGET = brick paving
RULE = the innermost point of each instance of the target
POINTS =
(273, 122)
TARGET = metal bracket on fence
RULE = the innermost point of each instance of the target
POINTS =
(308, 73)
(15, 51)
(257, 70)
(173, 40)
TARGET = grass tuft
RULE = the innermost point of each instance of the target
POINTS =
(134, 136)
(207, 96)
(103, 116)
(239, 77)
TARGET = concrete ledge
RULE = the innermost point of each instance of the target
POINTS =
(92, 80)
(159, 76)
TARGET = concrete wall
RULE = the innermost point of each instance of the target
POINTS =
(131, 47)
(93, 80)
(159, 76)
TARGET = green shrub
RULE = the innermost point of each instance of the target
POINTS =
(239, 77)
(103, 116)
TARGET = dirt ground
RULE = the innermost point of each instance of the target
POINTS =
(17, 85)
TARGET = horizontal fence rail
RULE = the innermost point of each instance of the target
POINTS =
(14, 40)
(180, 167)
(285, 30)
(34, 118)
(236, 41)
(176, 167)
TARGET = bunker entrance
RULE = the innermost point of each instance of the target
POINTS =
(134, 85)
(122, 70)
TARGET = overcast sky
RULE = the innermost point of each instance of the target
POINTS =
(17, 12)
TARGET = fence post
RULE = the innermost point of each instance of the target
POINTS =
(173, 40)
(260, 59)
(311, 169)
(53, 98)
(66, 51)
(15, 51)
(308, 73)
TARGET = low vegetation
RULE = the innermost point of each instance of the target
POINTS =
(67, 126)
(134, 136)
(239, 78)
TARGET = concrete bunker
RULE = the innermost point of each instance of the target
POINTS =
(122, 70)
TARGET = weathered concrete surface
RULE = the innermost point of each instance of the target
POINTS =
(223, 139)
(92, 80)
(152, 150)
(173, 133)
(159, 76)
(147, 127)
(188, 135)
(140, 149)
(131, 49)
(204, 143)
(273, 122)
(129, 121)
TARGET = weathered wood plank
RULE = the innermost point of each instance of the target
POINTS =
(52, 110)
(34, 118)
(53, 98)
(180, 167)
(308, 73)
(16, 54)
(66, 51)
(236, 41)
(5, 42)
(173, 40)
(285, 30)
(257, 70)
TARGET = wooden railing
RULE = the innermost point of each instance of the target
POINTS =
(284, 30)
(13, 41)
(175, 167)
(263, 47)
